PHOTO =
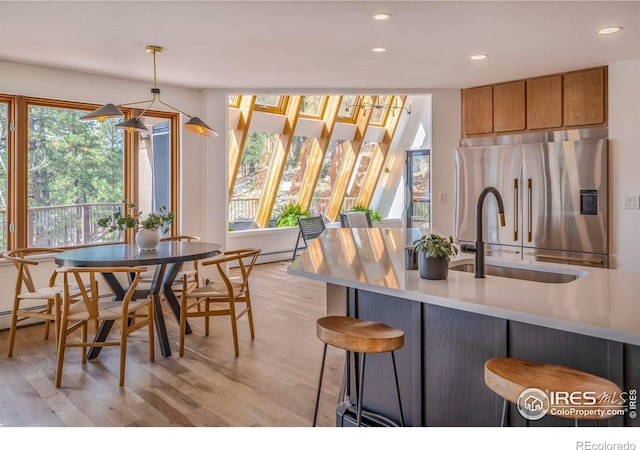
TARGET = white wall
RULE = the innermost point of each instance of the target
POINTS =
(434, 124)
(413, 132)
(624, 163)
(446, 137)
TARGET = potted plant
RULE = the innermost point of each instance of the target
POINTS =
(434, 254)
(148, 234)
(288, 215)
(373, 214)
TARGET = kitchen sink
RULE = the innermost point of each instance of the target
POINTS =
(541, 276)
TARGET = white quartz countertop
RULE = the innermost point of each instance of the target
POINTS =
(602, 303)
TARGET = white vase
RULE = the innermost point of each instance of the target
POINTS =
(147, 240)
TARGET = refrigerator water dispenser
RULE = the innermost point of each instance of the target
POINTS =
(588, 202)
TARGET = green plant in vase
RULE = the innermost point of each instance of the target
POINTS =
(148, 234)
(154, 221)
(434, 254)
(288, 215)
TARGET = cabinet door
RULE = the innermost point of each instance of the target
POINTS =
(544, 103)
(456, 346)
(584, 98)
(477, 110)
(508, 107)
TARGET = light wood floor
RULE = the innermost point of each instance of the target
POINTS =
(271, 384)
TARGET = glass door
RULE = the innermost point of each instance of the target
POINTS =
(418, 198)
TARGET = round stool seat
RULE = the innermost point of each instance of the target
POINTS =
(358, 336)
(509, 377)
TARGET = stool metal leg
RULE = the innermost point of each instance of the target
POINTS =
(360, 389)
(345, 390)
(315, 412)
(395, 377)
(503, 422)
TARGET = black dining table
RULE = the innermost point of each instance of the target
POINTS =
(167, 259)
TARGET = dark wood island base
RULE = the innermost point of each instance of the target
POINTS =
(441, 366)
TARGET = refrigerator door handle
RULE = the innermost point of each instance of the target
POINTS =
(516, 209)
(529, 209)
(591, 260)
(500, 251)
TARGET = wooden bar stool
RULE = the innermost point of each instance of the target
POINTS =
(360, 337)
(511, 377)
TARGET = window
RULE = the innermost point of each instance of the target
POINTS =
(359, 175)
(155, 165)
(75, 176)
(380, 110)
(4, 149)
(271, 103)
(271, 164)
(59, 175)
(328, 176)
(294, 170)
(234, 101)
(349, 108)
(252, 173)
(418, 189)
(313, 105)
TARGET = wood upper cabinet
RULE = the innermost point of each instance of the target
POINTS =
(553, 102)
(544, 102)
(477, 110)
(584, 97)
(508, 107)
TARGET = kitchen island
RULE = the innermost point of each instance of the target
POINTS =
(453, 326)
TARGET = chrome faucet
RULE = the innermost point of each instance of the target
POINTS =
(479, 266)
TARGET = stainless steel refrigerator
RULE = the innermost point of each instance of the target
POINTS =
(554, 190)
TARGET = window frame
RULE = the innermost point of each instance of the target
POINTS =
(355, 110)
(279, 109)
(17, 155)
(320, 112)
(317, 153)
(11, 102)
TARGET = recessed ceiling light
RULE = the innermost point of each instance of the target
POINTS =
(479, 57)
(609, 30)
(379, 49)
(382, 16)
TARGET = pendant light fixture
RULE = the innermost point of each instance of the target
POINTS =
(194, 124)
(392, 106)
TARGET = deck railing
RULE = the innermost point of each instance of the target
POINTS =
(64, 226)
(421, 207)
(243, 209)
(69, 225)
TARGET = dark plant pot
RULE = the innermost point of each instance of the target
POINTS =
(432, 268)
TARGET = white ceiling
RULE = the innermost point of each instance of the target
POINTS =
(319, 45)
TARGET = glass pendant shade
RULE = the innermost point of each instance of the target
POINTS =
(196, 125)
(132, 125)
(104, 112)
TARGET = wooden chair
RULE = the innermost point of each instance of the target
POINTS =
(228, 291)
(31, 302)
(310, 228)
(76, 316)
(189, 269)
(358, 219)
